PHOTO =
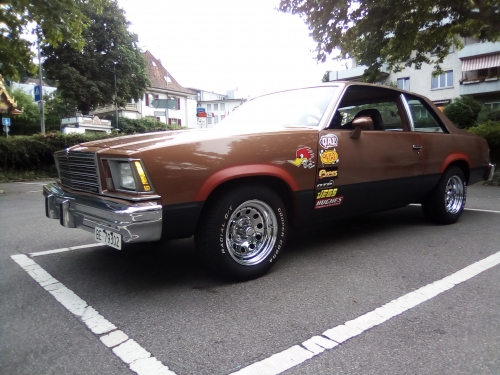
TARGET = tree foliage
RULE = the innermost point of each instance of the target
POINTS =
(463, 112)
(57, 108)
(52, 20)
(400, 33)
(87, 77)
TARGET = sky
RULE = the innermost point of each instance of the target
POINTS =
(219, 45)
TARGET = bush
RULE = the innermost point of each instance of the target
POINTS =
(490, 130)
(494, 116)
(29, 153)
(143, 125)
(463, 112)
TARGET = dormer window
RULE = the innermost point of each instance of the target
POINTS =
(167, 79)
(153, 63)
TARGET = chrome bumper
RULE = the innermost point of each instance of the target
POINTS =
(490, 172)
(136, 222)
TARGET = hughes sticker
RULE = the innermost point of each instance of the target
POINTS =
(328, 202)
(329, 141)
(305, 157)
(329, 156)
(330, 172)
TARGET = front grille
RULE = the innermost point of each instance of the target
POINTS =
(77, 170)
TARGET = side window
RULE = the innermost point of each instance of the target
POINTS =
(385, 115)
(423, 117)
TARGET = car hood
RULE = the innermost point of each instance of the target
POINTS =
(142, 142)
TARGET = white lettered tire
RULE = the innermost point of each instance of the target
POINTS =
(242, 231)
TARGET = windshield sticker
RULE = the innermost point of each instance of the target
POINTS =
(305, 157)
(330, 172)
(329, 156)
(328, 202)
(329, 141)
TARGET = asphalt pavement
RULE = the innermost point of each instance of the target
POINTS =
(194, 323)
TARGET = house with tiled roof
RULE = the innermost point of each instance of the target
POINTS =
(163, 86)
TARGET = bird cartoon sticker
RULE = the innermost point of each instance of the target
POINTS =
(305, 157)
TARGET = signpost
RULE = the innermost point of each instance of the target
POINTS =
(202, 117)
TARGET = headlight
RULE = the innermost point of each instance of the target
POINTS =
(126, 175)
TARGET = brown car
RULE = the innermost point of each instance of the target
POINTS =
(286, 159)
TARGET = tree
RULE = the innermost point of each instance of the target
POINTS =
(52, 20)
(463, 112)
(87, 77)
(29, 121)
(400, 33)
(57, 108)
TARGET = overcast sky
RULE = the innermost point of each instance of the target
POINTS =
(219, 45)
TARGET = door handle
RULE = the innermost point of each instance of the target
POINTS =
(417, 147)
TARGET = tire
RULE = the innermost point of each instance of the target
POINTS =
(242, 232)
(447, 201)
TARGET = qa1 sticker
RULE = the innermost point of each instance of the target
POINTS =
(304, 157)
(329, 156)
(329, 141)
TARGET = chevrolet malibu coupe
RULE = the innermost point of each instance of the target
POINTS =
(282, 160)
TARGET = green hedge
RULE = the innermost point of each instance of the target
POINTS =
(490, 130)
(34, 152)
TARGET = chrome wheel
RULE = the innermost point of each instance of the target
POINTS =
(454, 195)
(251, 232)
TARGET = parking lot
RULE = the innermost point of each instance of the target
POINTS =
(383, 294)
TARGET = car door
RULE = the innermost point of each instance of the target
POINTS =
(382, 169)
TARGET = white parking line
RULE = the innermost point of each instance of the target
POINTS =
(64, 249)
(466, 209)
(136, 357)
(277, 363)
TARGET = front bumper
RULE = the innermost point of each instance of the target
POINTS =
(136, 222)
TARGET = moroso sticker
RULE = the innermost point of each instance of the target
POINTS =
(325, 185)
(329, 141)
(303, 156)
(329, 172)
(327, 193)
(329, 156)
(329, 202)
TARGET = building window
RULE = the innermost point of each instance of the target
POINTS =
(209, 121)
(216, 108)
(443, 80)
(153, 63)
(404, 83)
(216, 119)
(146, 99)
(209, 107)
(222, 106)
(494, 106)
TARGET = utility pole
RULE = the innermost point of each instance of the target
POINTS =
(42, 120)
(116, 100)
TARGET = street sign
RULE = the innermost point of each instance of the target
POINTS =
(158, 113)
(37, 93)
(199, 109)
(5, 121)
(201, 114)
(202, 122)
(165, 103)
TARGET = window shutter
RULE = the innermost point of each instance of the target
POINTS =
(146, 96)
(158, 119)
(178, 103)
(179, 122)
(170, 121)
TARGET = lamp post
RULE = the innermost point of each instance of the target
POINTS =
(116, 101)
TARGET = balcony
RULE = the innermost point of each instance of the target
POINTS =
(110, 109)
(354, 74)
(475, 87)
(478, 49)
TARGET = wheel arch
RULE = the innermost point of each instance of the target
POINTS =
(459, 160)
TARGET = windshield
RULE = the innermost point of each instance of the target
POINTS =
(303, 107)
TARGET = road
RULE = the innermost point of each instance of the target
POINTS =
(193, 323)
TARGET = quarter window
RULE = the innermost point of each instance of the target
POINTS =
(442, 81)
(423, 117)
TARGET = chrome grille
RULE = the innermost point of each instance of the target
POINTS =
(77, 170)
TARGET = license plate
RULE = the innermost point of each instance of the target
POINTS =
(108, 237)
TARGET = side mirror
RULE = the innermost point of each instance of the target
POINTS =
(361, 123)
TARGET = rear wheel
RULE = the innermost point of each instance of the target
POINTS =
(447, 201)
(242, 232)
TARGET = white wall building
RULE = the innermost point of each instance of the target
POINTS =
(163, 86)
(473, 70)
(218, 106)
(29, 87)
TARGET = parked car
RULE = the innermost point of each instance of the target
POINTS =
(282, 160)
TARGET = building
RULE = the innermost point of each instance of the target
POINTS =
(217, 106)
(85, 124)
(29, 87)
(473, 70)
(163, 86)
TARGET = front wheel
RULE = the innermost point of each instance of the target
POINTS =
(447, 201)
(242, 232)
